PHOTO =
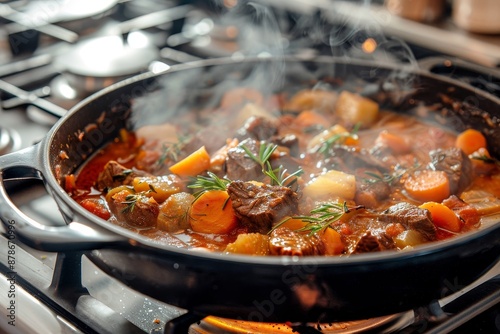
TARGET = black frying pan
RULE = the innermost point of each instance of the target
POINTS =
(255, 288)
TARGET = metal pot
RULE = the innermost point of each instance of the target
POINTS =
(244, 287)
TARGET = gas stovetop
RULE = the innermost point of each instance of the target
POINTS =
(66, 293)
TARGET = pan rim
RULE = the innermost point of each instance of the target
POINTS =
(147, 244)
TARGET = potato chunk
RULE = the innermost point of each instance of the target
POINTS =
(158, 187)
(332, 184)
(353, 109)
(250, 244)
(173, 213)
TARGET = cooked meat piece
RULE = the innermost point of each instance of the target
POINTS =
(114, 175)
(239, 166)
(347, 159)
(370, 194)
(290, 141)
(466, 212)
(259, 128)
(411, 217)
(284, 241)
(259, 207)
(373, 243)
(456, 164)
(137, 210)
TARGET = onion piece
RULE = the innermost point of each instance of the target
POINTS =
(484, 202)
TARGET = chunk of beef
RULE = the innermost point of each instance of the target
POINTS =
(411, 217)
(347, 159)
(466, 212)
(284, 241)
(137, 210)
(370, 194)
(259, 207)
(374, 243)
(239, 166)
(456, 164)
(258, 128)
(115, 174)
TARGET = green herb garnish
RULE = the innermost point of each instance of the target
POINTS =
(321, 217)
(337, 139)
(123, 175)
(210, 182)
(265, 152)
(278, 176)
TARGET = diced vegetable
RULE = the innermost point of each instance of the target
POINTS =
(484, 202)
(356, 109)
(443, 216)
(332, 184)
(395, 143)
(97, 207)
(470, 141)
(250, 244)
(173, 212)
(194, 164)
(394, 229)
(317, 99)
(212, 212)
(428, 185)
(69, 183)
(158, 187)
(409, 238)
(337, 133)
(333, 241)
(311, 118)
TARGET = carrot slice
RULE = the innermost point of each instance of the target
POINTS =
(428, 185)
(97, 207)
(470, 141)
(193, 164)
(395, 143)
(443, 216)
(212, 212)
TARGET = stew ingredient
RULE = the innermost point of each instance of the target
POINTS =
(316, 173)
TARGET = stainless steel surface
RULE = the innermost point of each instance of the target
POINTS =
(443, 36)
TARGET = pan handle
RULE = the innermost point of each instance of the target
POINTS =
(433, 64)
(26, 164)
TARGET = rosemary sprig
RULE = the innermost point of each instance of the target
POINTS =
(122, 176)
(265, 152)
(131, 200)
(485, 158)
(279, 177)
(210, 182)
(171, 151)
(338, 138)
(321, 217)
(390, 178)
(385, 177)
